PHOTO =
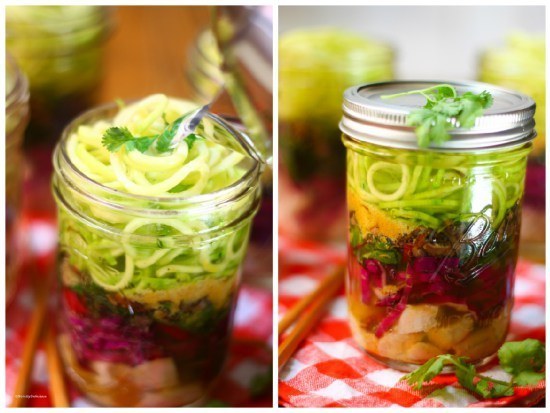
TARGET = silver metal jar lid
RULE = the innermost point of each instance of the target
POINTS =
(369, 118)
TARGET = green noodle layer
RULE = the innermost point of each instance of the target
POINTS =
(423, 188)
(120, 262)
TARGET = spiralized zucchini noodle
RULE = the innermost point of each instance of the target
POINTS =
(430, 189)
(188, 170)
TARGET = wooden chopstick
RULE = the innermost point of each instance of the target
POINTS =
(318, 299)
(58, 391)
(29, 349)
(292, 314)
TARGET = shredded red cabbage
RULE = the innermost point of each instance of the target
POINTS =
(113, 339)
(394, 314)
(430, 280)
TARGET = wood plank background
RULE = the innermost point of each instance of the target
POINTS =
(147, 52)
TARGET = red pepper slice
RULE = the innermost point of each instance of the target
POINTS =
(73, 301)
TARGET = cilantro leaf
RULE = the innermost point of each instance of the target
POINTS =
(141, 144)
(524, 360)
(114, 138)
(443, 105)
(164, 140)
(425, 373)
(190, 139)
(486, 387)
(473, 107)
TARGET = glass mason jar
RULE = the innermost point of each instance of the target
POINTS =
(17, 117)
(205, 76)
(433, 233)
(148, 284)
(520, 65)
(59, 48)
(203, 68)
(315, 67)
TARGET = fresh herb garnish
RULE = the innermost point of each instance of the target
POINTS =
(524, 360)
(443, 105)
(116, 137)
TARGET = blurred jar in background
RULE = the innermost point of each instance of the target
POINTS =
(315, 67)
(206, 78)
(17, 115)
(520, 65)
(59, 48)
(235, 54)
(203, 68)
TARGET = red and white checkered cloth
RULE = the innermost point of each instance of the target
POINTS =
(330, 370)
(250, 354)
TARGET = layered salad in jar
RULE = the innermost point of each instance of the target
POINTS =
(433, 240)
(151, 242)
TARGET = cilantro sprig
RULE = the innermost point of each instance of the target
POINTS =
(523, 360)
(116, 137)
(443, 111)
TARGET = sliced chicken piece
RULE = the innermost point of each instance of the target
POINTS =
(155, 374)
(395, 346)
(422, 352)
(417, 318)
(452, 332)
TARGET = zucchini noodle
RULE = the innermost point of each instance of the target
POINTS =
(190, 169)
(430, 188)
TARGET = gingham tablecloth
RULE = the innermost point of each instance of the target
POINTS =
(329, 369)
(243, 383)
(249, 360)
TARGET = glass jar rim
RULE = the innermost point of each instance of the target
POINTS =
(203, 200)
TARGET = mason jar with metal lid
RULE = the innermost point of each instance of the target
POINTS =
(17, 117)
(433, 233)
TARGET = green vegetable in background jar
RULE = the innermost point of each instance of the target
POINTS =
(59, 49)
(315, 67)
(520, 65)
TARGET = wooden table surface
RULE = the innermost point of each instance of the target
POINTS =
(147, 52)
